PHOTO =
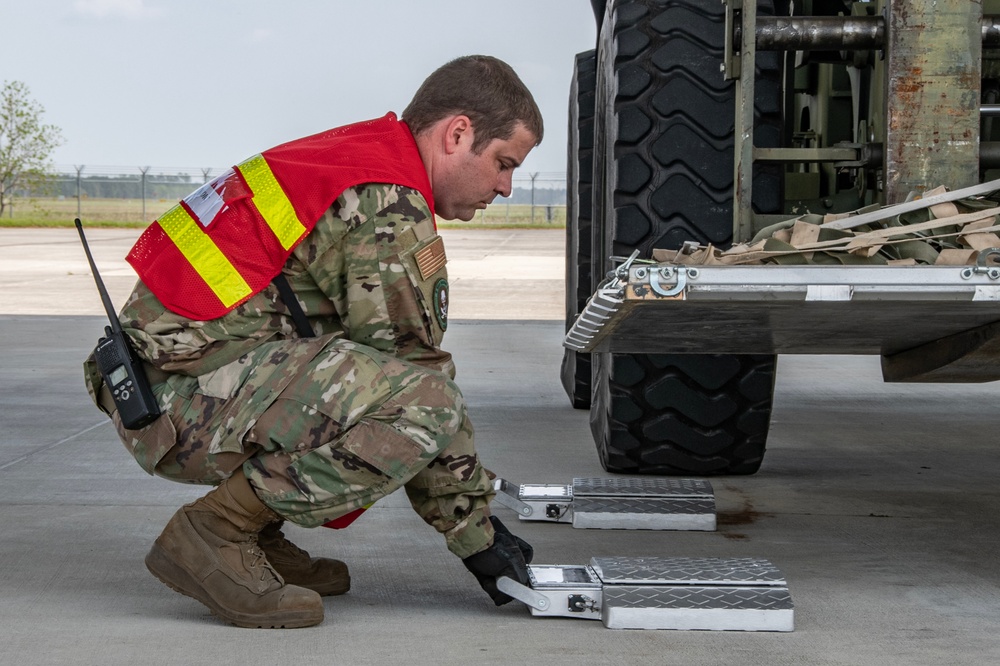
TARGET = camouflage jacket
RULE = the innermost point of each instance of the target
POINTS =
(355, 275)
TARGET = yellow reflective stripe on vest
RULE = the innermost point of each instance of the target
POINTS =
(205, 256)
(271, 202)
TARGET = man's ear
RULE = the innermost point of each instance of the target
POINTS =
(458, 134)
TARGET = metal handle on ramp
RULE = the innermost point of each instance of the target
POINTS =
(522, 593)
(508, 495)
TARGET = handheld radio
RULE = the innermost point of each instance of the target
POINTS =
(119, 366)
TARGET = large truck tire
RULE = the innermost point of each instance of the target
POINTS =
(663, 155)
(576, 371)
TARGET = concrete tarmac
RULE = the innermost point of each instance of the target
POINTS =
(879, 502)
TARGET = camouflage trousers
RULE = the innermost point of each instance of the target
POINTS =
(322, 427)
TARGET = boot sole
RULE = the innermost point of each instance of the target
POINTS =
(159, 563)
(333, 590)
(328, 589)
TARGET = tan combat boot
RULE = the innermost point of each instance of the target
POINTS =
(209, 552)
(325, 576)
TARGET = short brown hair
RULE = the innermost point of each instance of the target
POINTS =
(485, 89)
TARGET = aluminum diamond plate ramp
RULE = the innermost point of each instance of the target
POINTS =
(704, 608)
(682, 593)
(686, 571)
(615, 503)
(643, 503)
(641, 487)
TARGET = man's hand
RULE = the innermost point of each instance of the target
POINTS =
(508, 556)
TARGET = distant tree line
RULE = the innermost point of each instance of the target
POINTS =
(127, 186)
(157, 186)
(544, 196)
(178, 186)
(162, 186)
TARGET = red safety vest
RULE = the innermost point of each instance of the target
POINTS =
(226, 241)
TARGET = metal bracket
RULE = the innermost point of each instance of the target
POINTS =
(829, 292)
(618, 276)
(984, 266)
(681, 273)
(731, 57)
(620, 272)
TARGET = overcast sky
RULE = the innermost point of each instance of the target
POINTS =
(207, 83)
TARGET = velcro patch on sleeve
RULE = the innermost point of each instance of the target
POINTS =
(431, 259)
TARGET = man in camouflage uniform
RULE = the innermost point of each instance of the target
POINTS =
(310, 429)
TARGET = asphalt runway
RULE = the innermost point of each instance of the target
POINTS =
(878, 502)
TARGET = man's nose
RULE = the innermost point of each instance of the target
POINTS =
(504, 185)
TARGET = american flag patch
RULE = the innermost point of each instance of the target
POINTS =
(431, 259)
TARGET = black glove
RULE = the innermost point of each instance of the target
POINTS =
(508, 556)
(526, 550)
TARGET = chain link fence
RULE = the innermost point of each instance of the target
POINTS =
(138, 195)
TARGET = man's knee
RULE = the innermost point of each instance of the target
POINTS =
(433, 408)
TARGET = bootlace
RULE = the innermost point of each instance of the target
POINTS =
(258, 557)
(284, 543)
(277, 542)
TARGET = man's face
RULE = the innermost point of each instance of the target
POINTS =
(473, 180)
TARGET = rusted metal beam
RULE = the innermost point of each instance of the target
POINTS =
(933, 72)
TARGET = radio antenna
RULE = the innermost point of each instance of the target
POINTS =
(108, 307)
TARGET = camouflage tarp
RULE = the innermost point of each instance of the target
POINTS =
(948, 233)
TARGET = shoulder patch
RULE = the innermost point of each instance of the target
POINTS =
(440, 298)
